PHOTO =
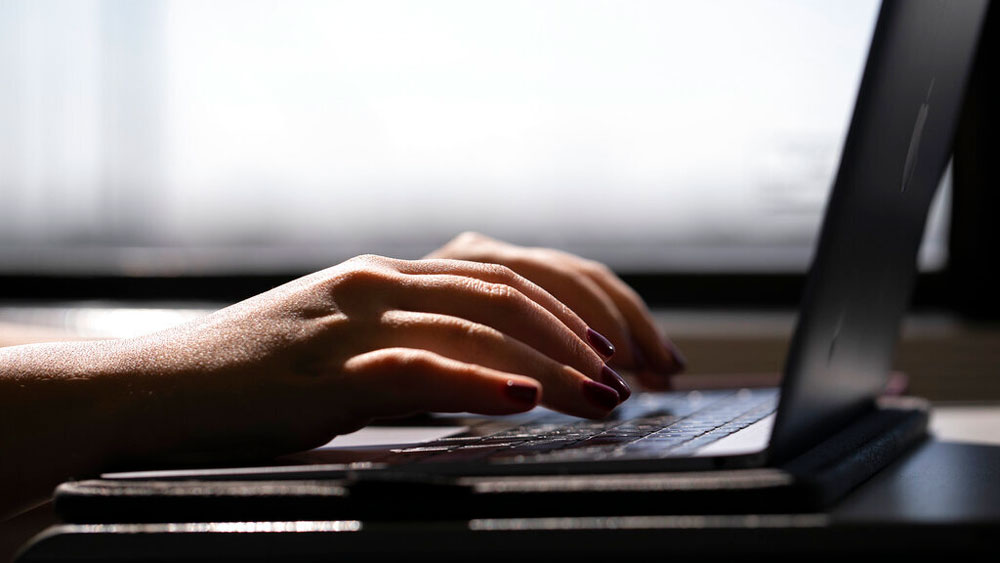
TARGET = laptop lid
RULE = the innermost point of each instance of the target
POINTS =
(897, 147)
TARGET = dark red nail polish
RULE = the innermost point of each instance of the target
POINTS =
(638, 358)
(522, 393)
(678, 359)
(616, 382)
(600, 395)
(601, 344)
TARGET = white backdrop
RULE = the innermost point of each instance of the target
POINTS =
(248, 135)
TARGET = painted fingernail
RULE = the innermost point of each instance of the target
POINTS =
(678, 359)
(638, 358)
(601, 344)
(600, 395)
(521, 393)
(616, 382)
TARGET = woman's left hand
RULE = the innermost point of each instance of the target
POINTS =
(591, 290)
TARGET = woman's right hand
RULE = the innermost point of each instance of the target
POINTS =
(291, 368)
(377, 337)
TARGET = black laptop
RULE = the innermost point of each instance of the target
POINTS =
(827, 420)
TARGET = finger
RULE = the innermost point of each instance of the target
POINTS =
(501, 274)
(653, 347)
(395, 381)
(503, 308)
(566, 389)
(567, 283)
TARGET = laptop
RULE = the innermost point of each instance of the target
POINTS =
(897, 148)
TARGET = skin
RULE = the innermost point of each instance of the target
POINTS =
(591, 290)
(479, 326)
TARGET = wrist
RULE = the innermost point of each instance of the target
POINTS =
(64, 402)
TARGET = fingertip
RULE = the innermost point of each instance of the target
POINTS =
(600, 395)
(665, 358)
(679, 361)
(639, 361)
(600, 343)
(611, 378)
(523, 394)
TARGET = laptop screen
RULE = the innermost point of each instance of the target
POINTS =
(172, 137)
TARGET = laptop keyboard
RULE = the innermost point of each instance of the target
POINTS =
(654, 426)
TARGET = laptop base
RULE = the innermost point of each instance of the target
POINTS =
(809, 482)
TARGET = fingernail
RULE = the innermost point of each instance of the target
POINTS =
(615, 381)
(600, 395)
(638, 358)
(601, 344)
(522, 393)
(678, 359)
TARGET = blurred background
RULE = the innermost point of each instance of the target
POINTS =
(172, 137)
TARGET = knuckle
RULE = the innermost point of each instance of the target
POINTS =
(596, 268)
(454, 328)
(472, 245)
(404, 360)
(360, 279)
(501, 272)
(469, 236)
(462, 333)
(470, 331)
(368, 259)
(359, 276)
(375, 261)
(500, 293)
(550, 256)
(467, 371)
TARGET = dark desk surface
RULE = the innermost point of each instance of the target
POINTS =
(941, 483)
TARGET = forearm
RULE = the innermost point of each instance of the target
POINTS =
(61, 411)
(74, 409)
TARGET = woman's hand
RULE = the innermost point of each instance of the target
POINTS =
(594, 292)
(291, 368)
(371, 337)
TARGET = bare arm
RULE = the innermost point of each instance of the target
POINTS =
(291, 368)
(62, 408)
